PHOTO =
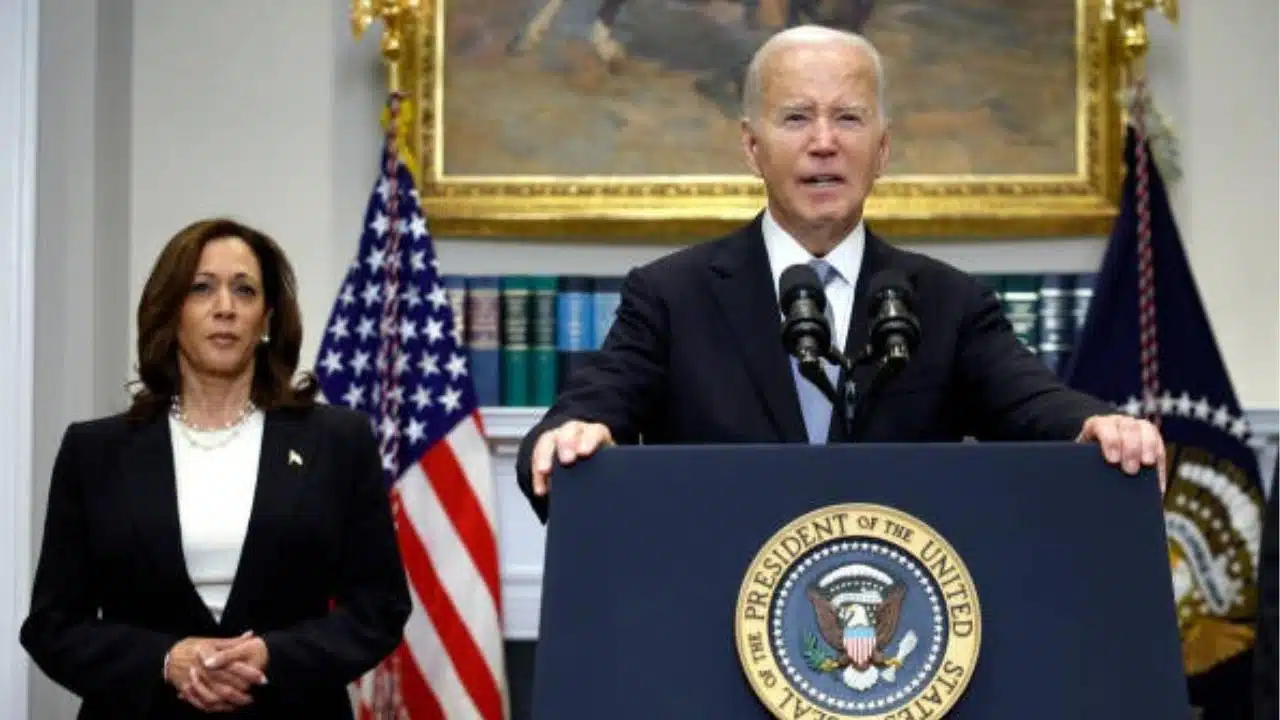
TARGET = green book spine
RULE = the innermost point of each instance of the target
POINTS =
(515, 293)
(542, 351)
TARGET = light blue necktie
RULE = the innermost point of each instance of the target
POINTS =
(813, 404)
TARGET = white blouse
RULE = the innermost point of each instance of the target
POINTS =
(216, 473)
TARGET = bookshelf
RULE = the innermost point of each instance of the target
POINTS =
(526, 333)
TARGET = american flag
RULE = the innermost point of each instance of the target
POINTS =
(392, 348)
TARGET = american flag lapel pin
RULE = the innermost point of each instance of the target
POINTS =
(295, 458)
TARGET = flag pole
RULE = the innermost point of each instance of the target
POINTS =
(399, 21)
(1129, 18)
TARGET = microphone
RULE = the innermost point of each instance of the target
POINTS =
(805, 332)
(895, 332)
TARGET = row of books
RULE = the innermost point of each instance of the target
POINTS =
(1047, 311)
(526, 334)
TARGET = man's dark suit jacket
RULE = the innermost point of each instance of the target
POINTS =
(320, 577)
(695, 356)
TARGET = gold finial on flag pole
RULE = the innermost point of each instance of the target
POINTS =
(1130, 19)
(399, 18)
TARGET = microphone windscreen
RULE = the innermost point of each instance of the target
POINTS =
(889, 279)
(796, 279)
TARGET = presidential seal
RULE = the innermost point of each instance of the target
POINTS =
(857, 611)
(1213, 521)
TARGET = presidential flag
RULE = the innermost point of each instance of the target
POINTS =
(1147, 346)
(392, 349)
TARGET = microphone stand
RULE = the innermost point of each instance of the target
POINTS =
(849, 391)
(889, 349)
(846, 398)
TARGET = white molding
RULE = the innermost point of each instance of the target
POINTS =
(522, 599)
(521, 534)
(18, 61)
(508, 425)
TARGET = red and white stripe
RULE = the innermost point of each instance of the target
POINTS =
(450, 664)
(860, 649)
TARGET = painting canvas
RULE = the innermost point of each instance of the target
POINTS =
(608, 117)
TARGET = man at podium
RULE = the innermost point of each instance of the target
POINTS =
(707, 347)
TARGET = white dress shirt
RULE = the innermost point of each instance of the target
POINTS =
(784, 251)
(215, 498)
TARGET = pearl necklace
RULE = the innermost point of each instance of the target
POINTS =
(221, 435)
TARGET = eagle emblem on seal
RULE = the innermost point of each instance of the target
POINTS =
(856, 608)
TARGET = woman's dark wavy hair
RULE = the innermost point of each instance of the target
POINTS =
(160, 310)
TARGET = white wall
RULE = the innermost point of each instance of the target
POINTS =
(234, 111)
(1227, 107)
(81, 255)
(18, 77)
(1223, 100)
(157, 112)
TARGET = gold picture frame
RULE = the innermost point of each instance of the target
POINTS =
(682, 207)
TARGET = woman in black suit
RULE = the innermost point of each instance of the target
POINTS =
(226, 544)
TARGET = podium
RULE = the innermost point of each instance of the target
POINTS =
(986, 581)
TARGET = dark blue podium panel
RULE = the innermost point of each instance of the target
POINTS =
(895, 582)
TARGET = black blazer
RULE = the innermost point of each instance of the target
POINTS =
(695, 356)
(111, 593)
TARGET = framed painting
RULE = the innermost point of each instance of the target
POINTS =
(619, 119)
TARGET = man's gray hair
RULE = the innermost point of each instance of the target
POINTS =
(752, 86)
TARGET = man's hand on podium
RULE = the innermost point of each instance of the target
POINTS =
(572, 440)
(1129, 442)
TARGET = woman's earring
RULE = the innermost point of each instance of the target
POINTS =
(266, 338)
